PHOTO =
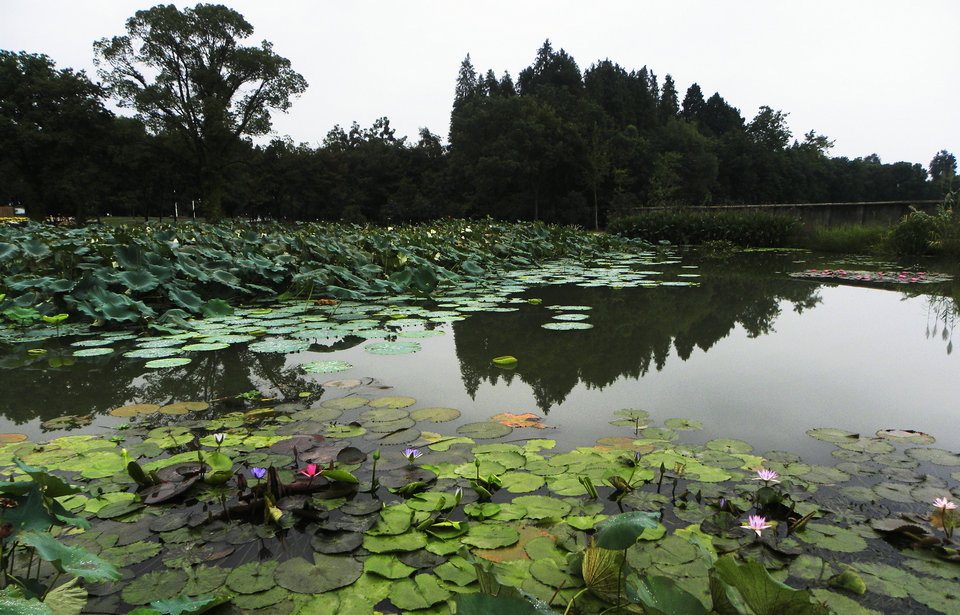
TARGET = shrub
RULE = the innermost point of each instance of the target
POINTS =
(753, 229)
(913, 235)
(849, 238)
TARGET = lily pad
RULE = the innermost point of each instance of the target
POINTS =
(391, 348)
(392, 402)
(326, 367)
(171, 362)
(567, 326)
(907, 436)
(490, 535)
(435, 415)
(484, 430)
(326, 573)
(935, 456)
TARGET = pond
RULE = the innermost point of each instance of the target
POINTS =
(677, 374)
(733, 344)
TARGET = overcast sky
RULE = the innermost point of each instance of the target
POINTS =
(876, 76)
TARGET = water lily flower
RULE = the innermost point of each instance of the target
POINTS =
(311, 471)
(218, 437)
(944, 504)
(258, 472)
(757, 523)
(411, 454)
(767, 476)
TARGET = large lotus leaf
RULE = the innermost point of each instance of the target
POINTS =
(216, 307)
(74, 560)
(435, 415)
(187, 299)
(762, 593)
(139, 281)
(279, 345)
(662, 596)
(326, 367)
(623, 530)
(66, 599)
(326, 573)
(601, 571)
(935, 456)
(420, 592)
(336, 542)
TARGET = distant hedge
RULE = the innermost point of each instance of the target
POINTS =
(753, 229)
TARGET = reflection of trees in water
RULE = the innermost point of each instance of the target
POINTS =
(96, 385)
(633, 330)
(942, 312)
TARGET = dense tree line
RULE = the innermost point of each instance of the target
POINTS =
(557, 144)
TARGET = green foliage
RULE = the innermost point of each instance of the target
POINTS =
(913, 235)
(759, 230)
(849, 239)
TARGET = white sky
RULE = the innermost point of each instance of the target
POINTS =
(877, 76)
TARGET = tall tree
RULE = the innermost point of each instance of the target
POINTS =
(769, 129)
(943, 169)
(693, 103)
(186, 72)
(669, 107)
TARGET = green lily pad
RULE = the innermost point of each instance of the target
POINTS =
(906, 436)
(387, 566)
(205, 346)
(252, 577)
(435, 415)
(484, 430)
(727, 445)
(171, 362)
(421, 592)
(394, 402)
(336, 542)
(566, 326)
(408, 541)
(326, 573)
(935, 456)
(344, 403)
(521, 482)
(391, 348)
(151, 353)
(154, 585)
(490, 535)
(93, 352)
(835, 436)
(682, 424)
(832, 537)
(326, 367)
(543, 507)
(279, 345)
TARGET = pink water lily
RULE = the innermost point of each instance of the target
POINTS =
(311, 471)
(767, 476)
(757, 523)
(944, 504)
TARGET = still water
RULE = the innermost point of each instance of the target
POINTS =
(748, 352)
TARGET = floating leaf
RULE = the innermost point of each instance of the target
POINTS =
(490, 535)
(326, 367)
(505, 362)
(566, 326)
(526, 419)
(435, 415)
(392, 402)
(328, 572)
(907, 436)
(390, 348)
(172, 362)
(484, 431)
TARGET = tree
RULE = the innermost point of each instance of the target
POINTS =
(693, 104)
(769, 129)
(943, 168)
(669, 107)
(185, 72)
(47, 116)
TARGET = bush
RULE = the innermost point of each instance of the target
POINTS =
(849, 238)
(752, 229)
(913, 235)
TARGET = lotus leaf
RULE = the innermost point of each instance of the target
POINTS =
(832, 537)
(935, 456)
(93, 352)
(566, 326)
(252, 577)
(184, 407)
(907, 436)
(261, 600)
(435, 415)
(458, 571)
(73, 560)
(344, 403)
(835, 436)
(521, 482)
(336, 542)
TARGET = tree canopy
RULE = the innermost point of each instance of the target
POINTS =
(185, 72)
